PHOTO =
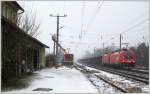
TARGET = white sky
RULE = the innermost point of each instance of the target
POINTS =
(112, 18)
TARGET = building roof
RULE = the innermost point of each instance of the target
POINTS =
(14, 5)
(5, 20)
(17, 5)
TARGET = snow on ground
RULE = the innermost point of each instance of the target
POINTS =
(122, 81)
(103, 87)
(61, 80)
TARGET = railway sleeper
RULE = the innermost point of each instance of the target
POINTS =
(126, 89)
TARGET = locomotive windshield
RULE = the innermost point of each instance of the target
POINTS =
(128, 55)
(69, 56)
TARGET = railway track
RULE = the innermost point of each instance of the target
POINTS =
(135, 75)
(83, 69)
(145, 71)
(108, 80)
(142, 68)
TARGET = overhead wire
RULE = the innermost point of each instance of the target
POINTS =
(63, 9)
(141, 16)
(82, 17)
(127, 30)
(141, 22)
(82, 21)
(92, 19)
(98, 7)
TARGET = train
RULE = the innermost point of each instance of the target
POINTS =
(68, 59)
(122, 58)
(63, 58)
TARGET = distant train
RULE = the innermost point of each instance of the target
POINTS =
(121, 58)
(68, 59)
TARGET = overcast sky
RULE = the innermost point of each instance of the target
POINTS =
(99, 21)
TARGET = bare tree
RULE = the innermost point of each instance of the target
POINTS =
(29, 23)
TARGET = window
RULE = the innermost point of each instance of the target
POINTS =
(2, 10)
(128, 55)
(12, 15)
(6, 11)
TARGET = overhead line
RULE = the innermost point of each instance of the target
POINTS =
(143, 21)
(135, 25)
(82, 17)
(94, 16)
(92, 19)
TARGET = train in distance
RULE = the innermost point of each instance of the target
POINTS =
(68, 59)
(125, 57)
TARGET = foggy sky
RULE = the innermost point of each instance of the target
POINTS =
(99, 24)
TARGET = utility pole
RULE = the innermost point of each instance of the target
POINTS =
(103, 48)
(103, 51)
(56, 55)
(120, 42)
(54, 48)
(57, 16)
(101, 39)
(55, 41)
(94, 51)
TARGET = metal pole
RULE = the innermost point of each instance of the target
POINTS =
(103, 50)
(57, 35)
(54, 48)
(120, 42)
(57, 41)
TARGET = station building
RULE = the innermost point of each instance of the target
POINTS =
(21, 53)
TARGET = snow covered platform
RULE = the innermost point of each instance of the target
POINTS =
(57, 81)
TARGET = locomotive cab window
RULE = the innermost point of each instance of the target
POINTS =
(128, 55)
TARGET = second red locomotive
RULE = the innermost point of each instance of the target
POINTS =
(68, 59)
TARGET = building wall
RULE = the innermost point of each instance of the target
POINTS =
(20, 54)
(9, 12)
(42, 58)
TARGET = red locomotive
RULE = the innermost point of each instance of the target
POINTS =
(122, 58)
(68, 59)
